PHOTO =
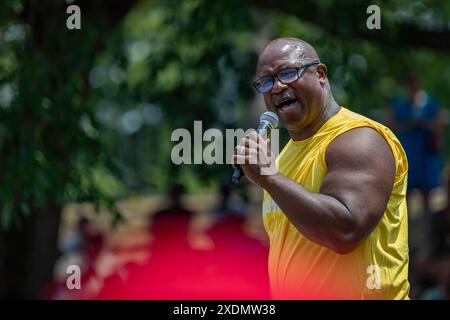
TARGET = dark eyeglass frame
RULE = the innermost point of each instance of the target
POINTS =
(299, 76)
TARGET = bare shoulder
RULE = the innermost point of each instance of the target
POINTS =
(361, 148)
(361, 173)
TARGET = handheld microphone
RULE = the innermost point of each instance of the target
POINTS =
(267, 122)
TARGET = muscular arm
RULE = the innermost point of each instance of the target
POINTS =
(353, 195)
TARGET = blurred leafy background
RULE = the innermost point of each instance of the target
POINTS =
(86, 115)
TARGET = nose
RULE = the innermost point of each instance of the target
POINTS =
(278, 86)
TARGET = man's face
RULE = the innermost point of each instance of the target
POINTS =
(297, 104)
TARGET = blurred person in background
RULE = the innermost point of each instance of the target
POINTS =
(81, 248)
(237, 262)
(174, 205)
(230, 201)
(434, 269)
(419, 124)
(169, 274)
(230, 264)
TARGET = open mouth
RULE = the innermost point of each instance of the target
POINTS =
(287, 105)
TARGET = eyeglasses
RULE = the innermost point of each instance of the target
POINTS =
(285, 76)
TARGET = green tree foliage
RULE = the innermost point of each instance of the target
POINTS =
(86, 115)
(179, 62)
(49, 143)
(73, 103)
(195, 60)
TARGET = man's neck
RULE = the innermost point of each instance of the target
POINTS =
(329, 110)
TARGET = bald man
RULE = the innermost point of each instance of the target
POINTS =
(335, 206)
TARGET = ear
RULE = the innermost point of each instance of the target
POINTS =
(321, 71)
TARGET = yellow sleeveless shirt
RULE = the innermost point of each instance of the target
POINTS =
(302, 269)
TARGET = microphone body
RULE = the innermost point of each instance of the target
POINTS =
(267, 122)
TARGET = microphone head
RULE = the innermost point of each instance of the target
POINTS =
(269, 117)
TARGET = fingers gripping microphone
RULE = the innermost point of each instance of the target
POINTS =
(267, 122)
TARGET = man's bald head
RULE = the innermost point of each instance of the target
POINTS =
(298, 49)
(300, 102)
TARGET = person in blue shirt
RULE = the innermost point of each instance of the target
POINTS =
(419, 124)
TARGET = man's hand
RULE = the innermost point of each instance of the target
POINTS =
(254, 156)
